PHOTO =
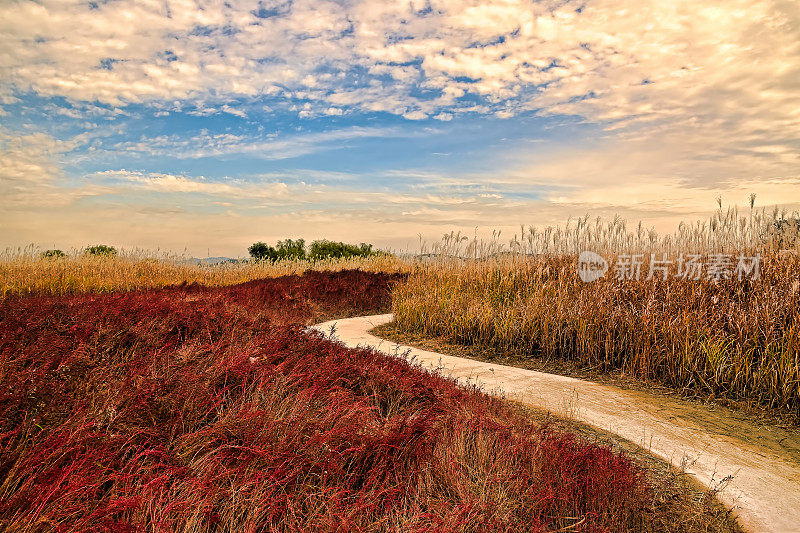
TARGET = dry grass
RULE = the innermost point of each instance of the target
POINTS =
(24, 271)
(726, 230)
(732, 339)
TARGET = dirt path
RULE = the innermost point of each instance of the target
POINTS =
(765, 480)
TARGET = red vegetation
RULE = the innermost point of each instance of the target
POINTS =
(198, 409)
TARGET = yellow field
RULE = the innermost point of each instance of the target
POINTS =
(26, 272)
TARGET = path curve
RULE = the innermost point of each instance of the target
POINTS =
(764, 489)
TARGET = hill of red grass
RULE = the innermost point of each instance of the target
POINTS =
(197, 409)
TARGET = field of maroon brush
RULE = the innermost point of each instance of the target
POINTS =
(216, 409)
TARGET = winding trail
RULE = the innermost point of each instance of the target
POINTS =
(765, 479)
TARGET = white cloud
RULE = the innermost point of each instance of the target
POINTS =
(229, 188)
(31, 175)
(29, 158)
(415, 115)
(270, 147)
(645, 60)
(233, 111)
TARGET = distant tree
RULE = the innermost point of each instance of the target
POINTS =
(296, 249)
(290, 249)
(101, 249)
(53, 254)
(261, 251)
(324, 248)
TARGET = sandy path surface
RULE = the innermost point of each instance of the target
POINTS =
(765, 480)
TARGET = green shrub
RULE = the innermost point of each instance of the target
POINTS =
(53, 254)
(101, 249)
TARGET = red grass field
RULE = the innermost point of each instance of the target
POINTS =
(197, 409)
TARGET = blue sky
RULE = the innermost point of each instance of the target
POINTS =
(203, 126)
(219, 144)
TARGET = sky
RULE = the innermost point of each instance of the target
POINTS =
(202, 126)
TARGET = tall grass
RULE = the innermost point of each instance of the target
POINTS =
(25, 271)
(725, 231)
(732, 339)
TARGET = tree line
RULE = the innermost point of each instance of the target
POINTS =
(319, 249)
(261, 251)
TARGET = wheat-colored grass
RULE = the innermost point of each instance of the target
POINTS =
(734, 339)
(25, 271)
